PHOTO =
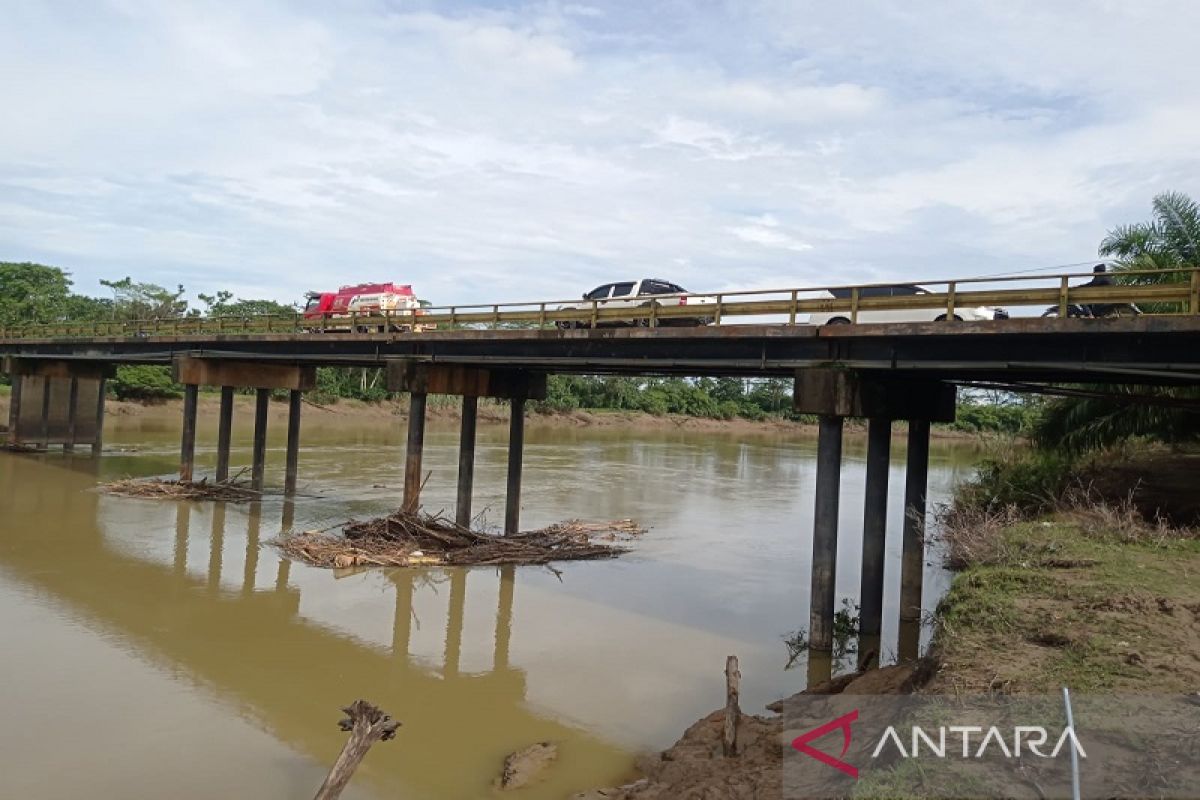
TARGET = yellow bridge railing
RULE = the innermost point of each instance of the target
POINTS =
(1175, 291)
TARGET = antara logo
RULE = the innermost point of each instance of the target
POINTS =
(1029, 738)
(843, 722)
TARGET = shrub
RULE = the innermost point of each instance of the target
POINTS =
(1028, 480)
(144, 382)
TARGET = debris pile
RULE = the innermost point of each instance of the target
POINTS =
(406, 539)
(229, 491)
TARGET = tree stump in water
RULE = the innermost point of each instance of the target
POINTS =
(367, 725)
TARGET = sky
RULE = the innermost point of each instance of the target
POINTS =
(495, 151)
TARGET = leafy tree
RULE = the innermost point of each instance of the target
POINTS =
(32, 293)
(1169, 240)
(144, 382)
(136, 300)
(223, 304)
(1115, 413)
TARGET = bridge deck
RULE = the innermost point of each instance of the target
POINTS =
(1147, 349)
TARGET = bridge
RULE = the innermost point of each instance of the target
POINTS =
(884, 372)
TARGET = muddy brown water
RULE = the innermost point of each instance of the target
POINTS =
(155, 648)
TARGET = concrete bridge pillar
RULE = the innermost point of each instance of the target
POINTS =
(466, 460)
(870, 615)
(230, 375)
(835, 395)
(56, 402)
(421, 379)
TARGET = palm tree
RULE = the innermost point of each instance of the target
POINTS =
(1169, 241)
(1103, 416)
(1106, 415)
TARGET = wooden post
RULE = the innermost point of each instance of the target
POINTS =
(516, 447)
(224, 433)
(912, 559)
(466, 460)
(14, 411)
(414, 451)
(258, 459)
(98, 440)
(293, 444)
(72, 414)
(825, 533)
(733, 712)
(879, 447)
(187, 448)
(366, 725)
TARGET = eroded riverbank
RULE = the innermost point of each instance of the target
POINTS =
(352, 412)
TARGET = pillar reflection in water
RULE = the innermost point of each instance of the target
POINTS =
(216, 546)
(402, 619)
(253, 526)
(504, 612)
(454, 622)
(183, 512)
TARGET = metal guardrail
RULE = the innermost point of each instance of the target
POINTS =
(787, 305)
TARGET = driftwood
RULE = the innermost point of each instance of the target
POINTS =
(407, 539)
(733, 712)
(367, 725)
(524, 766)
(230, 491)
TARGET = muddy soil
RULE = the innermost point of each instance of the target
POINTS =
(694, 768)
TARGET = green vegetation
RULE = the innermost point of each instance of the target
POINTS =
(1069, 600)
(144, 382)
(1103, 416)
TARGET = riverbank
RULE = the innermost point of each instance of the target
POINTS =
(1098, 594)
(446, 409)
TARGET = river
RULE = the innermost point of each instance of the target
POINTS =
(161, 648)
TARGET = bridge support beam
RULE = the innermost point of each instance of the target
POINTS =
(879, 451)
(912, 560)
(224, 433)
(263, 377)
(825, 533)
(292, 469)
(187, 447)
(258, 457)
(56, 402)
(516, 457)
(834, 395)
(414, 451)
(466, 460)
(421, 378)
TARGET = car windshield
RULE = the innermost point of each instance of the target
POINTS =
(599, 293)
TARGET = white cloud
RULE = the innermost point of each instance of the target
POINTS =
(527, 151)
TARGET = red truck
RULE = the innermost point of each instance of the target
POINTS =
(338, 311)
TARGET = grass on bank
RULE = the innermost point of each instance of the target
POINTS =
(1061, 587)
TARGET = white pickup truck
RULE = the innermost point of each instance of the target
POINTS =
(641, 294)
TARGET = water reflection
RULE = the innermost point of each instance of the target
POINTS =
(252, 643)
(614, 658)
